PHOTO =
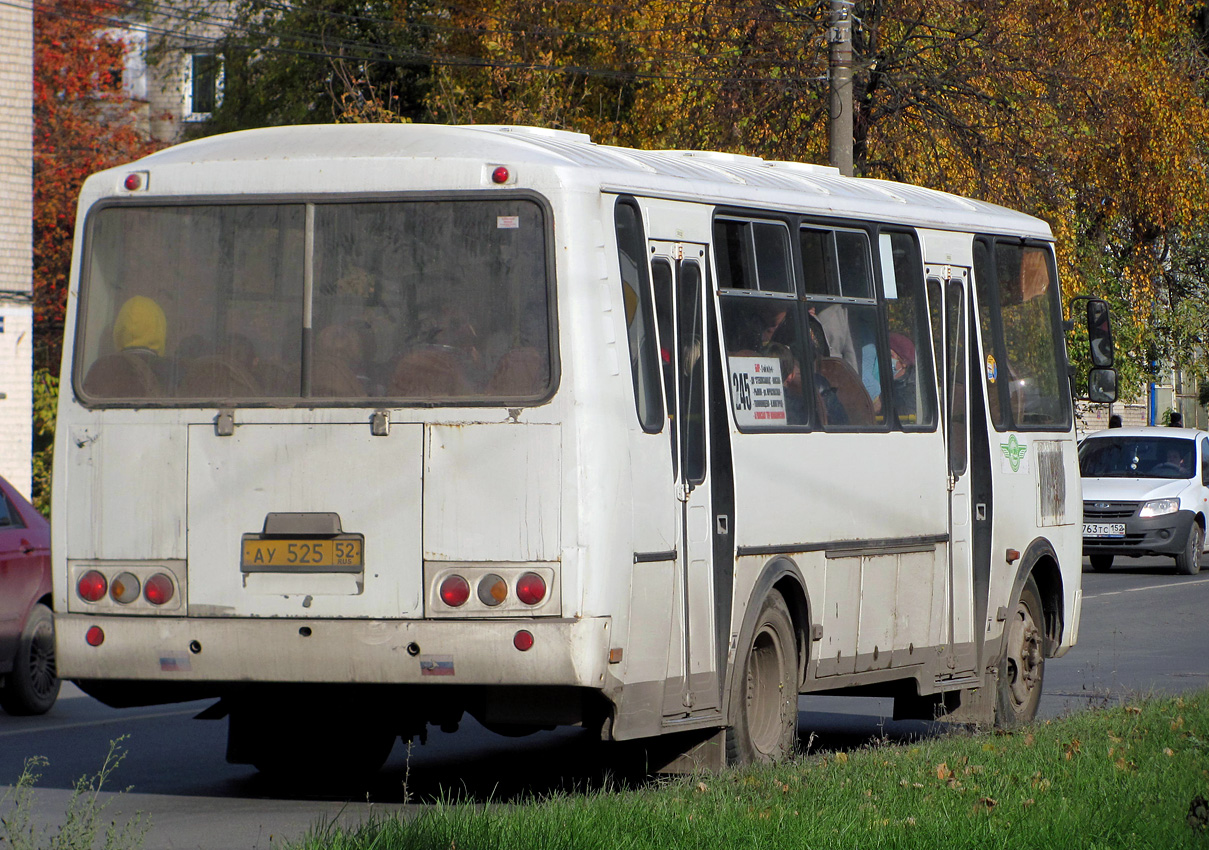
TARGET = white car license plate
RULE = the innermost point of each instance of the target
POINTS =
(1103, 529)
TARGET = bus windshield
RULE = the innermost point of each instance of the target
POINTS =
(279, 303)
(1137, 457)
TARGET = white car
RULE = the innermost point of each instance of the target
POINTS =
(1145, 492)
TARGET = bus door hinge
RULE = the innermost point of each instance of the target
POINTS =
(952, 482)
(224, 423)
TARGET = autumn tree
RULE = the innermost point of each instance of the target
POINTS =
(313, 61)
(83, 122)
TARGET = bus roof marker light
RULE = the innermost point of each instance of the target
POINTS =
(500, 174)
(523, 640)
(136, 180)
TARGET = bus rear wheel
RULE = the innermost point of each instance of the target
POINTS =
(1022, 663)
(764, 691)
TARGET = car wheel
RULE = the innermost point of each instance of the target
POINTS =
(1100, 563)
(764, 692)
(33, 686)
(1188, 562)
(1022, 662)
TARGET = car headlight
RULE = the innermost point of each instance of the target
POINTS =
(1158, 507)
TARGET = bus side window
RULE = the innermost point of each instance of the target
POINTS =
(837, 271)
(910, 350)
(640, 325)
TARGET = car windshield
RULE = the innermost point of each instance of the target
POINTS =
(1137, 457)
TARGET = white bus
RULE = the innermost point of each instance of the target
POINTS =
(364, 428)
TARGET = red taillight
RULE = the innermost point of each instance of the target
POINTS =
(455, 591)
(530, 588)
(523, 640)
(92, 586)
(94, 636)
(500, 175)
(158, 589)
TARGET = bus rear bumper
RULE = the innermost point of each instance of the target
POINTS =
(570, 652)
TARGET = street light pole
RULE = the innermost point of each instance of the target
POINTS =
(839, 35)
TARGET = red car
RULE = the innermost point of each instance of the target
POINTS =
(28, 681)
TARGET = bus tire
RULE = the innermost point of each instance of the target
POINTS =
(1188, 562)
(1022, 661)
(764, 690)
(33, 685)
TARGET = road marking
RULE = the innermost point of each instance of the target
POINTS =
(88, 723)
(1148, 587)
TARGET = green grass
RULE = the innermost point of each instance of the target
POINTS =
(1123, 777)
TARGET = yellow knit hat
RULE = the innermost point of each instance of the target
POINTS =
(140, 324)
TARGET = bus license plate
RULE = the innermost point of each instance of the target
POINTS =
(1103, 529)
(304, 556)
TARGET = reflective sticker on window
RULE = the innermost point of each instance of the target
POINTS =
(992, 369)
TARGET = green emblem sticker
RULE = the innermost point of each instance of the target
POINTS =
(1015, 455)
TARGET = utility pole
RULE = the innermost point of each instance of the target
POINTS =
(839, 35)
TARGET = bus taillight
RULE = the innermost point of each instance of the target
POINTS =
(531, 588)
(455, 591)
(94, 636)
(125, 588)
(158, 589)
(92, 586)
(492, 590)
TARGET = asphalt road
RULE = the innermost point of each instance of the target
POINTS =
(1141, 632)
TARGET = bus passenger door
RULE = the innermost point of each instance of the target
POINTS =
(681, 304)
(948, 300)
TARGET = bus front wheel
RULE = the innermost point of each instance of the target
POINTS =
(1022, 663)
(764, 690)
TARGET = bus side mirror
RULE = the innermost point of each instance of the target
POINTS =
(1099, 334)
(1102, 385)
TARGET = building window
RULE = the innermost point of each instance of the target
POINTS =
(203, 85)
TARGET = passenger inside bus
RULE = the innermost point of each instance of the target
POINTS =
(902, 365)
(138, 368)
(342, 357)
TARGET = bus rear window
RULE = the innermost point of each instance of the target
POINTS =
(411, 301)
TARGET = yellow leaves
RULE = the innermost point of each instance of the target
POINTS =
(1177, 724)
(841, 758)
(1072, 749)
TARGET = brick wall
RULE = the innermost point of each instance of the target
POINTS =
(16, 240)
